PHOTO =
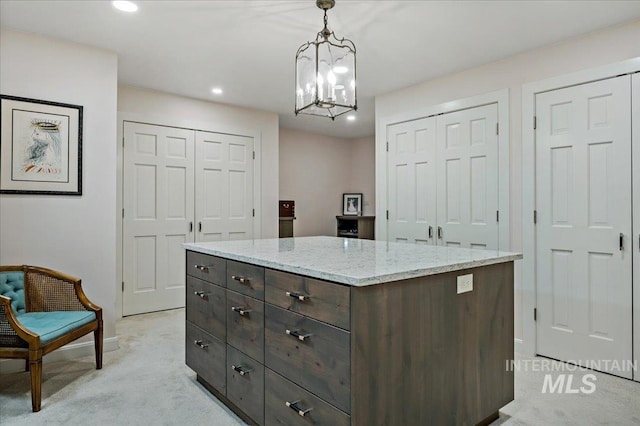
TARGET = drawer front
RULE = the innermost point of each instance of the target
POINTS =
(206, 267)
(317, 299)
(280, 391)
(313, 354)
(245, 324)
(246, 279)
(206, 306)
(206, 356)
(245, 384)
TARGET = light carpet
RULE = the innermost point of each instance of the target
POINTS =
(146, 382)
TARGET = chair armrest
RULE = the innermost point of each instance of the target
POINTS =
(11, 330)
(48, 290)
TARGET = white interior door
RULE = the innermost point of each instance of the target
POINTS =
(635, 114)
(224, 187)
(412, 175)
(467, 153)
(158, 215)
(583, 202)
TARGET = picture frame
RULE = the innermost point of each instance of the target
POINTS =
(352, 204)
(40, 147)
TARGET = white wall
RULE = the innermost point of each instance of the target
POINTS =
(76, 235)
(604, 47)
(315, 170)
(363, 175)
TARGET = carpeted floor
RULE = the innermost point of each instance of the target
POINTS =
(146, 382)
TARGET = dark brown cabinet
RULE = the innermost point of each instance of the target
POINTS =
(356, 227)
(323, 353)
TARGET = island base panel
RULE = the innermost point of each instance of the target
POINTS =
(424, 354)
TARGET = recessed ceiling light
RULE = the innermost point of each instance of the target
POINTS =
(216, 91)
(340, 70)
(125, 6)
(351, 117)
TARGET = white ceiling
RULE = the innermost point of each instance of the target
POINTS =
(248, 47)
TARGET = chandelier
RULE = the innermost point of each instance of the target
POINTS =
(326, 73)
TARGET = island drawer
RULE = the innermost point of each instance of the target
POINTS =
(206, 267)
(246, 279)
(245, 384)
(289, 404)
(206, 306)
(313, 354)
(245, 324)
(322, 300)
(206, 356)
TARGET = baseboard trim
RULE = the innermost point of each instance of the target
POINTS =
(68, 352)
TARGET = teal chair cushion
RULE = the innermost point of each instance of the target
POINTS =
(51, 325)
(12, 286)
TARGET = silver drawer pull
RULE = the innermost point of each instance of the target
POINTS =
(202, 268)
(294, 406)
(296, 334)
(241, 280)
(202, 295)
(241, 310)
(241, 369)
(297, 295)
(199, 344)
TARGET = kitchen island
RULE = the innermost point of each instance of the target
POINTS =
(325, 330)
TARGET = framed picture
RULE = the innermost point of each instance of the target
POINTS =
(351, 204)
(40, 147)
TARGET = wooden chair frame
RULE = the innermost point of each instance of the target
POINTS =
(33, 351)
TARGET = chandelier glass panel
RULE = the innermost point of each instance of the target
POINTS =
(326, 73)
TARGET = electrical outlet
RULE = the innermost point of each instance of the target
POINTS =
(465, 283)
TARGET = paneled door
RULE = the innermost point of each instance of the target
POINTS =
(467, 168)
(635, 114)
(158, 215)
(583, 231)
(224, 187)
(412, 174)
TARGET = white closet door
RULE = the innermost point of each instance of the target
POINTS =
(635, 244)
(158, 213)
(467, 153)
(411, 187)
(583, 200)
(224, 187)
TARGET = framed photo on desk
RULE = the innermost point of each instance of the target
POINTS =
(352, 204)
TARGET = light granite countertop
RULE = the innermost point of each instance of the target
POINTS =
(352, 261)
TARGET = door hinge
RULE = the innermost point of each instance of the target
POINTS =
(535, 314)
(535, 122)
(254, 213)
(497, 128)
(254, 155)
(535, 217)
(123, 213)
(123, 142)
(497, 215)
(387, 146)
(387, 214)
(123, 286)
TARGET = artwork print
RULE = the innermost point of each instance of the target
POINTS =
(40, 147)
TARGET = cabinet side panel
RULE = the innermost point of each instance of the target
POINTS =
(423, 354)
(496, 337)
